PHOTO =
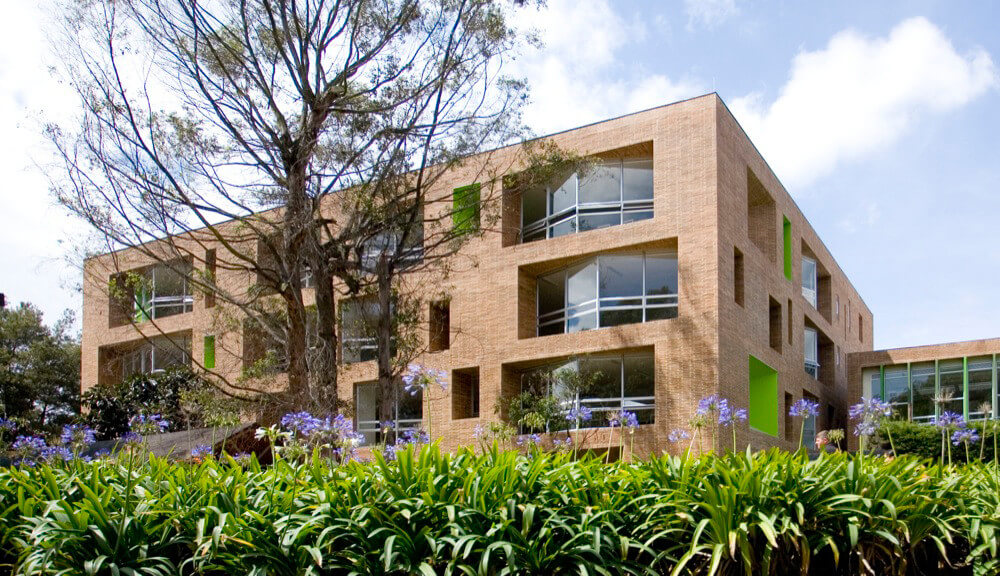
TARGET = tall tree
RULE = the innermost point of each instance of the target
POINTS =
(286, 135)
(39, 368)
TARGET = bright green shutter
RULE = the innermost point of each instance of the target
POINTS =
(209, 352)
(787, 228)
(465, 213)
(763, 397)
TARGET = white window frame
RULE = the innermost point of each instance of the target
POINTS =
(374, 427)
(809, 293)
(153, 307)
(622, 207)
(143, 359)
(599, 406)
(597, 304)
(811, 364)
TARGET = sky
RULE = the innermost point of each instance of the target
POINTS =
(882, 119)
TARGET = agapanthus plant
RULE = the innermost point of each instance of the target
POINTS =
(148, 424)
(421, 380)
(804, 409)
(871, 416)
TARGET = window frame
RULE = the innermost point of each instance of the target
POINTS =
(599, 304)
(548, 225)
(374, 427)
(811, 366)
(810, 294)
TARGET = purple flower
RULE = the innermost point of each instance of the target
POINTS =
(418, 378)
(28, 448)
(389, 452)
(202, 451)
(412, 436)
(301, 423)
(532, 439)
(566, 442)
(677, 434)
(950, 420)
(729, 417)
(713, 403)
(965, 435)
(630, 420)
(77, 435)
(479, 432)
(805, 408)
(580, 414)
(131, 439)
(865, 428)
(869, 414)
(53, 453)
(147, 425)
(7, 425)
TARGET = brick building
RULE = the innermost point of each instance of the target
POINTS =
(677, 267)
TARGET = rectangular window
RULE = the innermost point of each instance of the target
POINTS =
(358, 317)
(209, 351)
(809, 281)
(774, 323)
(897, 390)
(210, 272)
(407, 412)
(810, 344)
(951, 379)
(408, 251)
(606, 384)
(738, 275)
(861, 328)
(156, 355)
(789, 421)
(787, 235)
(609, 193)
(980, 386)
(440, 326)
(466, 211)
(763, 400)
(607, 291)
(465, 393)
(809, 428)
(923, 388)
(836, 308)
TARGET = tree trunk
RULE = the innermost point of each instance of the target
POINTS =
(324, 367)
(383, 339)
(296, 218)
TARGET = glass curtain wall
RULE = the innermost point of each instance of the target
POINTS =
(607, 291)
(609, 193)
(912, 389)
(606, 384)
(980, 386)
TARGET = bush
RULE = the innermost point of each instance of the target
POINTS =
(924, 440)
(502, 512)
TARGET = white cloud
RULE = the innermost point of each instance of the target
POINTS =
(859, 95)
(709, 13)
(580, 74)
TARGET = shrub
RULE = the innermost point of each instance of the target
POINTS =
(501, 512)
(924, 440)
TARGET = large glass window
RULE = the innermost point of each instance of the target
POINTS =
(156, 355)
(809, 282)
(980, 386)
(410, 251)
(952, 385)
(162, 291)
(897, 390)
(357, 322)
(923, 387)
(609, 193)
(811, 346)
(608, 291)
(605, 384)
(407, 411)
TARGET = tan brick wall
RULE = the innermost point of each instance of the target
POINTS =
(700, 161)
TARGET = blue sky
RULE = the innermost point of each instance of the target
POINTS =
(881, 118)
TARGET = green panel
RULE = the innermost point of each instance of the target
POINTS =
(788, 249)
(209, 352)
(142, 303)
(465, 212)
(763, 397)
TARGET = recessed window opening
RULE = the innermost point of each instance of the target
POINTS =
(407, 411)
(608, 193)
(607, 290)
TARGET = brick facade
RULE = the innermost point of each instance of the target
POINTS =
(714, 195)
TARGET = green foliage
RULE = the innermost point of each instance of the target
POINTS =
(924, 440)
(500, 512)
(177, 394)
(39, 369)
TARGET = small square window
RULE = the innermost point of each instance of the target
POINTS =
(465, 393)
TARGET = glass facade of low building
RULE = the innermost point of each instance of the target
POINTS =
(920, 391)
